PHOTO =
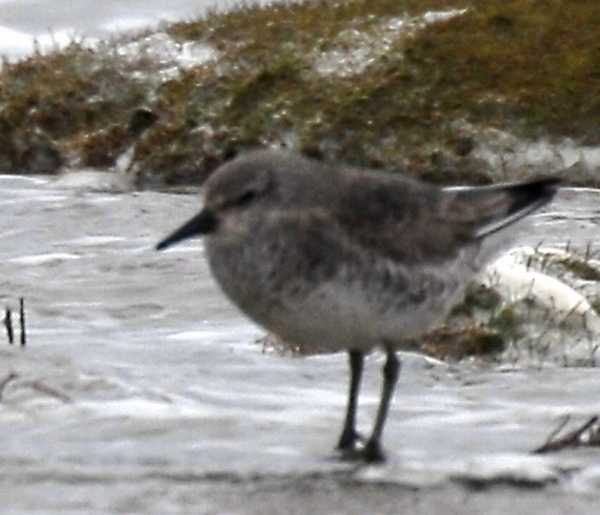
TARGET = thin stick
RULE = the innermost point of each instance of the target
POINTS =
(558, 429)
(48, 390)
(588, 252)
(571, 439)
(22, 321)
(8, 325)
(10, 377)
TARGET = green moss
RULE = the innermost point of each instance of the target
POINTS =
(526, 66)
(67, 95)
(526, 62)
(456, 344)
(477, 297)
(483, 66)
(595, 303)
(506, 322)
(581, 268)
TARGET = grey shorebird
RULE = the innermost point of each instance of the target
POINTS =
(349, 259)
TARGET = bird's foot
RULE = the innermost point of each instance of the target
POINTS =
(370, 452)
(373, 452)
(348, 441)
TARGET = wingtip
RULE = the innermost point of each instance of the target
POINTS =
(544, 187)
(550, 182)
(518, 200)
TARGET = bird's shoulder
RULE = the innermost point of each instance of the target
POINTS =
(376, 214)
(398, 218)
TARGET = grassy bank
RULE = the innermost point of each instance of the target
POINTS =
(374, 83)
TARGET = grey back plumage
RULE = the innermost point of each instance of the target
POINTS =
(393, 216)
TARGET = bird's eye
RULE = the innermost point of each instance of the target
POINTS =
(242, 200)
(247, 197)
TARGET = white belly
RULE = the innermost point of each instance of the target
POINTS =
(330, 319)
(335, 317)
(365, 304)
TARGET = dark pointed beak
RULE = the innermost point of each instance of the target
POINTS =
(203, 223)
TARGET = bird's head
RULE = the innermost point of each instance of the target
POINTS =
(232, 192)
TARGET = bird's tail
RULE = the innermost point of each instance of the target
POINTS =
(489, 209)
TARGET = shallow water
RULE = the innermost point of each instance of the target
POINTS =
(139, 376)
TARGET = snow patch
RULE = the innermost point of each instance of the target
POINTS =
(355, 50)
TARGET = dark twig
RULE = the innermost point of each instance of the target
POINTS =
(586, 435)
(10, 377)
(562, 424)
(588, 252)
(22, 321)
(42, 387)
(8, 325)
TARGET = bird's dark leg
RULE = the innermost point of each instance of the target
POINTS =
(373, 451)
(349, 435)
